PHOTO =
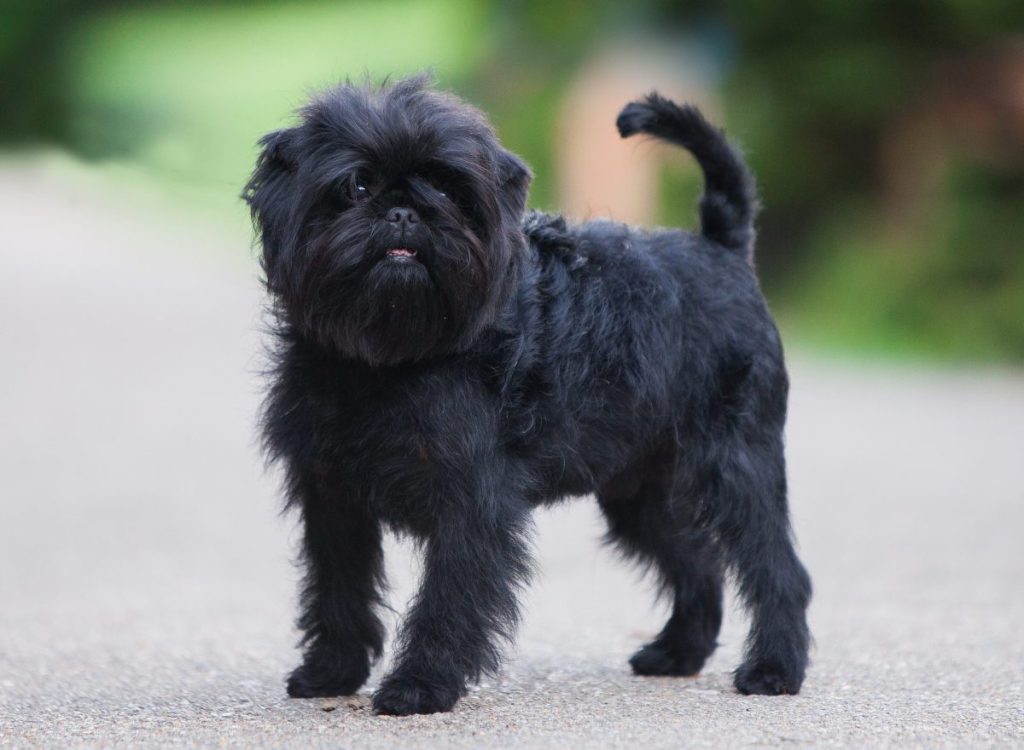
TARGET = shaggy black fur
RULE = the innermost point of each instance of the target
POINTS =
(444, 365)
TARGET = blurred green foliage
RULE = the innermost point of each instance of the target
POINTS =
(188, 91)
(952, 289)
(820, 93)
(823, 88)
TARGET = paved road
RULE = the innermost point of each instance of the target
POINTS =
(146, 585)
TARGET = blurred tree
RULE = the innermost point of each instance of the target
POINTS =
(34, 103)
(826, 80)
(889, 139)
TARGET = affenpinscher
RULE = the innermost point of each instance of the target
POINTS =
(446, 362)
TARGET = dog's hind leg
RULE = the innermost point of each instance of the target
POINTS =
(647, 523)
(738, 474)
(754, 530)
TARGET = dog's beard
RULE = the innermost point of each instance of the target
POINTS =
(364, 300)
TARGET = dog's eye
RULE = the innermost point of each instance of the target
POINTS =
(358, 189)
(430, 182)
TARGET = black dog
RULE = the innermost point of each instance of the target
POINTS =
(444, 364)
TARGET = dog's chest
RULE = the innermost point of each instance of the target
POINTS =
(403, 446)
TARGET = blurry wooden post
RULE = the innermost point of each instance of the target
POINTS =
(600, 174)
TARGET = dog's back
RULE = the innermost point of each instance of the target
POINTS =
(635, 331)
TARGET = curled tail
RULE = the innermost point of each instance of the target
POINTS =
(729, 204)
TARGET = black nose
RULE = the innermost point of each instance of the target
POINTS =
(402, 216)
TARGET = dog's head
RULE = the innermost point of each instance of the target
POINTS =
(390, 221)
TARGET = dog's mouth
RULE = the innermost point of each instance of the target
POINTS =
(401, 253)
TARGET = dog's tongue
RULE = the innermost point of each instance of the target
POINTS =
(401, 252)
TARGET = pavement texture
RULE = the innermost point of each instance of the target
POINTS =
(147, 584)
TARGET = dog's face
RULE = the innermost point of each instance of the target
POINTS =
(390, 221)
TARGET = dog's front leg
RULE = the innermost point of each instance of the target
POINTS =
(476, 558)
(344, 574)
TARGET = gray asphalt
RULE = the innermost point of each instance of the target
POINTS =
(146, 578)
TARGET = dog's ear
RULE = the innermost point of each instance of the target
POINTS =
(515, 179)
(271, 196)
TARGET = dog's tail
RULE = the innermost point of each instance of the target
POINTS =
(729, 205)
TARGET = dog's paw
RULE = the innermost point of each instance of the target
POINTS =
(402, 696)
(656, 658)
(325, 678)
(768, 679)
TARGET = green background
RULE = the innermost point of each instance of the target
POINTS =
(817, 93)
